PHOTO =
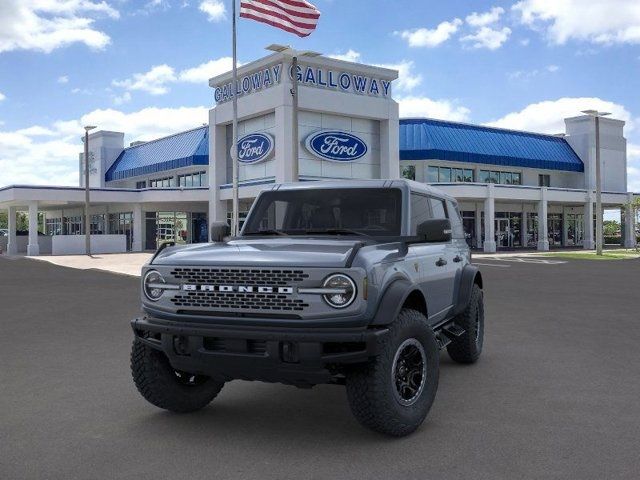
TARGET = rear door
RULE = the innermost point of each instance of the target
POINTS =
(449, 260)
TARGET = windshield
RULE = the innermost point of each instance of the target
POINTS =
(335, 211)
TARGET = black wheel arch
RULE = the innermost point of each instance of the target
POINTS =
(470, 276)
(401, 293)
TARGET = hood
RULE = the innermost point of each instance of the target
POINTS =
(286, 252)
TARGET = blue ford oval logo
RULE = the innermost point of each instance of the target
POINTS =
(336, 146)
(255, 147)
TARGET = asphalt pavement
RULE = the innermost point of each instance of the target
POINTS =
(556, 393)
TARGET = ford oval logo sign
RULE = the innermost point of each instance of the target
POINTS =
(336, 146)
(255, 147)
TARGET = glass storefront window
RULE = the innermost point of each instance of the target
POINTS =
(554, 229)
(532, 230)
(179, 227)
(432, 175)
(445, 174)
(505, 178)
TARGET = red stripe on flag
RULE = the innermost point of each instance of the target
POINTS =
(294, 16)
(293, 13)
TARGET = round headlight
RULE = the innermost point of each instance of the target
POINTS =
(151, 285)
(344, 290)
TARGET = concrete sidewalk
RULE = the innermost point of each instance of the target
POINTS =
(123, 263)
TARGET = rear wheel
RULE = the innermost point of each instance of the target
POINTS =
(165, 387)
(393, 393)
(467, 347)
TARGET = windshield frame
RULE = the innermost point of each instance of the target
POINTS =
(347, 231)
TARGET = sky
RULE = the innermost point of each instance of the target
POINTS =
(142, 67)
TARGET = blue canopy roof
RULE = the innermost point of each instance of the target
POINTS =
(183, 149)
(427, 139)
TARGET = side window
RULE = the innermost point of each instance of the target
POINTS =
(437, 208)
(457, 229)
(420, 210)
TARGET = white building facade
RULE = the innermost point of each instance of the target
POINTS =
(515, 189)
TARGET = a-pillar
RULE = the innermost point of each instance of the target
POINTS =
(138, 221)
(489, 221)
(12, 246)
(629, 224)
(543, 236)
(588, 242)
(33, 248)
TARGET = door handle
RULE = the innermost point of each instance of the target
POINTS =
(457, 258)
(441, 262)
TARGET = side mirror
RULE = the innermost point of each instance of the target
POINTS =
(435, 230)
(220, 230)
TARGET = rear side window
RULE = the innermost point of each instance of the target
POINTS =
(457, 230)
(437, 208)
(420, 210)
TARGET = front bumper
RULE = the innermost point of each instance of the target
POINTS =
(294, 355)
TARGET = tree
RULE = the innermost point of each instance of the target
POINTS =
(611, 228)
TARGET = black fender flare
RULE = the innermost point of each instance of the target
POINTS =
(392, 300)
(470, 276)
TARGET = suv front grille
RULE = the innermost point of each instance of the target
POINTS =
(237, 276)
(238, 301)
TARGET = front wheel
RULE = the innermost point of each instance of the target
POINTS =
(165, 387)
(393, 393)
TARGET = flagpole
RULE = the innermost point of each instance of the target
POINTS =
(234, 150)
(294, 126)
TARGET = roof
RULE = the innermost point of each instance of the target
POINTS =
(183, 149)
(428, 139)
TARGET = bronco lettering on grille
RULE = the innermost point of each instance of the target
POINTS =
(237, 288)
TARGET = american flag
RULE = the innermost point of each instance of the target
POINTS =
(294, 16)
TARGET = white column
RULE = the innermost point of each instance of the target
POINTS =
(588, 243)
(565, 227)
(284, 141)
(543, 237)
(523, 228)
(389, 144)
(218, 174)
(138, 222)
(489, 221)
(478, 225)
(12, 246)
(629, 224)
(33, 248)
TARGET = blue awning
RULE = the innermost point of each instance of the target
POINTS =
(183, 149)
(428, 139)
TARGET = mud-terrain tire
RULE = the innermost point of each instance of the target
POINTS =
(161, 385)
(379, 394)
(467, 347)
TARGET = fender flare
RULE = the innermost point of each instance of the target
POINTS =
(392, 300)
(470, 275)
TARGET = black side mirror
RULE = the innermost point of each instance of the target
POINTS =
(220, 230)
(436, 230)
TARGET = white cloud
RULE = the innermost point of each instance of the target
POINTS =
(349, 56)
(45, 25)
(486, 18)
(407, 78)
(487, 37)
(552, 68)
(548, 116)
(63, 79)
(122, 99)
(423, 37)
(595, 21)
(415, 106)
(525, 42)
(526, 75)
(49, 155)
(154, 81)
(203, 72)
(214, 9)
(2, 96)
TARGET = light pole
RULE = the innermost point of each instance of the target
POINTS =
(87, 218)
(294, 54)
(596, 114)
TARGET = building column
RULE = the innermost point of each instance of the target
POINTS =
(629, 224)
(33, 248)
(588, 242)
(565, 226)
(138, 221)
(12, 246)
(523, 228)
(489, 221)
(478, 225)
(543, 235)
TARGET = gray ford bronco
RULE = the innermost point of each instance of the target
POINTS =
(355, 283)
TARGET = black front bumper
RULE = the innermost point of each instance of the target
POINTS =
(293, 355)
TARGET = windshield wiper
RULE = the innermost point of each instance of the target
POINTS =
(267, 232)
(337, 231)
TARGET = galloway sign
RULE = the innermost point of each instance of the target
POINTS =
(255, 147)
(336, 146)
(262, 79)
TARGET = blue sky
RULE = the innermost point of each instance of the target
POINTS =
(142, 66)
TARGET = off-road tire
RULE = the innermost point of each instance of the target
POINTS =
(371, 388)
(467, 347)
(160, 384)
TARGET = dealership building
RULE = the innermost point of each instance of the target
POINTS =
(515, 189)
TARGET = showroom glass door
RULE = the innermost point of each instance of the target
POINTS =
(503, 233)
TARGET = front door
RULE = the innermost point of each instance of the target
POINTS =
(504, 235)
